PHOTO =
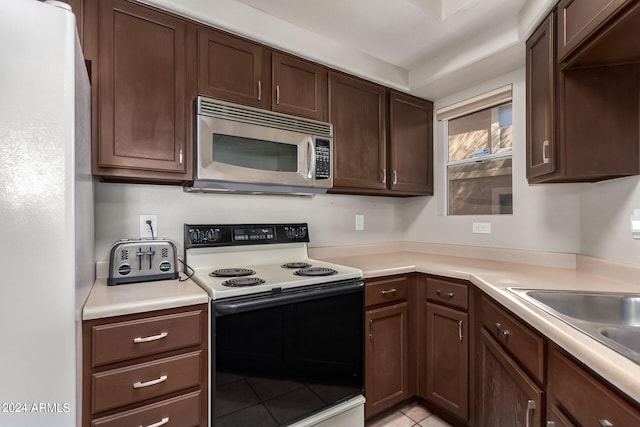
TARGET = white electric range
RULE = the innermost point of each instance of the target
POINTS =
(287, 331)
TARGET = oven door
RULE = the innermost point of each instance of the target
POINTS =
(279, 357)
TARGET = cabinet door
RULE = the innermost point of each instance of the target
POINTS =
(142, 93)
(579, 19)
(357, 110)
(507, 396)
(541, 144)
(299, 87)
(446, 335)
(233, 69)
(387, 374)
(411, 144)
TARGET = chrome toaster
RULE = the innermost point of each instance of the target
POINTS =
(142, 260)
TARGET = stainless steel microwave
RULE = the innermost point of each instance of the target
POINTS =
(244, 149)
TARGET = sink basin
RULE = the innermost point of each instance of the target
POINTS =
(609, 317)
(609, 308)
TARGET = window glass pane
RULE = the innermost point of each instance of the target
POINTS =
(254, 153)
(480, 133)
(480, 188)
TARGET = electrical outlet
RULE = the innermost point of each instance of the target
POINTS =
(148, 231)
(359, 222)
(481, 228)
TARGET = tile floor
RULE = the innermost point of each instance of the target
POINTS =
(411, 415)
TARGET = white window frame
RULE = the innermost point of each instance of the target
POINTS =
(494, 98)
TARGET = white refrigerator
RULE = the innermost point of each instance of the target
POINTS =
(46, 214)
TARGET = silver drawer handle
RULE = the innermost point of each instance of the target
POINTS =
(159, 423)
(504, 332)
(531, 406)
(388, 291)
(448, 294)
(139, 384)
(605, 423)
(151, 338)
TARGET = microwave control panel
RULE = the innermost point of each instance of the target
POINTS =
(323, 159)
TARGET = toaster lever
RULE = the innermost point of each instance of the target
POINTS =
(140, 254)
(150, 253)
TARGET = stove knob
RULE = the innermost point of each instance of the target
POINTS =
(212, 235)
(291, 233)
(302, 232)
(196, 236)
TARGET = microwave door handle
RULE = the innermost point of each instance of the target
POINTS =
(312, 158)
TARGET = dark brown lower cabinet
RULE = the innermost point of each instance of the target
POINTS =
(575, 391)
(387, 358)
(507, 395)
(448, 358)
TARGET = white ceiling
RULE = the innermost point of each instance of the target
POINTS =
(431, 48)
(405, 33)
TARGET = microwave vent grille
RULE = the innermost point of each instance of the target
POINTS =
(239, 113)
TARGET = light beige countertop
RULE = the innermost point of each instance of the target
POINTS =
(108, 301)
(522, 270)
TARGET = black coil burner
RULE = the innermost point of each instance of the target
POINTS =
(296, 265)
(315, 271)
(243, 281)
(232, 272)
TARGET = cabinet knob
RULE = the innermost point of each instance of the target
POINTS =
(259, 90)
(605, 423)
(504, 332)
(383, 174)
(277, 94)
(388, 291)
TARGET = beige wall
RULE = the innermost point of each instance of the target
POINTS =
(545, 217)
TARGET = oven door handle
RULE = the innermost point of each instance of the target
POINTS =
(272, 300)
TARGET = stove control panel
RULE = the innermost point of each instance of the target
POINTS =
(207, 235)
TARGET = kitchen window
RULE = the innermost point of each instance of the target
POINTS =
(478, 164)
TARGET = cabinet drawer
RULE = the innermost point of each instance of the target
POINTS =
(525, 345)
(181, 411)
(127, 340)
(584, 397)
(382, 291)
(449, 293)
(131, 384)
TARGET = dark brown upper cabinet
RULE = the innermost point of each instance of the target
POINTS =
(358, 111)
(583, 116)
(141, 85)
(541, 110)
(410, 144)
(383, 139)
(579, 19)
(233, 69)
(299, 87)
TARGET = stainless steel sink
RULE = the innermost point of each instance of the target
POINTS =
(611, 318)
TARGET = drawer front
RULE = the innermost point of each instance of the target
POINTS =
(136, 338)
(518, 339)
(449, 293)
(181, 411)
(383, 291)
(584, 397)
(131, 384)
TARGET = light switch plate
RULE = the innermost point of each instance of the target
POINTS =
(359, 222)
